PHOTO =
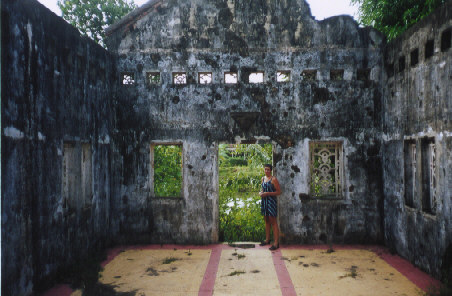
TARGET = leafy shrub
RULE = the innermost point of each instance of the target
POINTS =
(240, 218)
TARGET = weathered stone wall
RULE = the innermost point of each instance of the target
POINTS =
(57, 93)
(418, 109)
(247, 36)
(76, 144)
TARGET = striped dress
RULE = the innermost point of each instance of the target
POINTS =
(268, 204)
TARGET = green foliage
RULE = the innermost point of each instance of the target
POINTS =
(167, 170)
(92, 17)
(240, 218)
(392, 17)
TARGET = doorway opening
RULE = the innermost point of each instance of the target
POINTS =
(241, 168)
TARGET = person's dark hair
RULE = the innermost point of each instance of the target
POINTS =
(268, 166)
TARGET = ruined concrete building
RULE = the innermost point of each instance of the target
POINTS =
(80, 123)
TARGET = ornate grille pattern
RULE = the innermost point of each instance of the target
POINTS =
(432, 152)
(204, 78)
(409, 151)
(326, 169)
(153, 77)
(283, 76)
(413, 169)
(128, 79)
(179, 78)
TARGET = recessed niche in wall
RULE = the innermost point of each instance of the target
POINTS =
(363, 74)
(337, 74)
(401, 63)
(414, 57)
(446, 40)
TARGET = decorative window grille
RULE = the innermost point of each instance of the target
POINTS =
(283, 76)
(428, 175)
(410, 171)
(205, 77)
(230, 77)
(180, 78)
(433, 200)
(128, 78)
(326, 169)
(256, 77)
(153, 77)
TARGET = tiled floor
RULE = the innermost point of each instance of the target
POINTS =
(224, 270)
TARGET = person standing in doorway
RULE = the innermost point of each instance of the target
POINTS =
(270, 190)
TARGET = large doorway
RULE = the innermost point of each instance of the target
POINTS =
(240, 173)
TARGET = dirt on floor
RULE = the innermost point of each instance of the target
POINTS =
(252, 272)
(345, 272)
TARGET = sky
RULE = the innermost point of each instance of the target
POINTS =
(320, 9)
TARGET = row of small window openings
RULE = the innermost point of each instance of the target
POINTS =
(128, 78)
(428, 53)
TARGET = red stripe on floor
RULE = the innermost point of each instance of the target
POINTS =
(60, 290)
(285, 282)
(208, 281)
(414, 274)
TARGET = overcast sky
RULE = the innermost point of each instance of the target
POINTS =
(320, 8)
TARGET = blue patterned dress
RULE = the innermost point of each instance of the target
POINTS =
(268, 204)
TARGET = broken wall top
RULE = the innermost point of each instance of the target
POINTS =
(234, 26)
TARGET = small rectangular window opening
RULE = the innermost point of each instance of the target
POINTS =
(309, 75)
(153, 77)
(363, 74)
(429, 49)
(337, 74)
(167, 170)
(128, 78)
(390, 70)
(179, 78)
(401, 63)
(283, 76)
(414, 57)
(409, 151)
(446, 40)
(205, 77)
(256, 77)
(230, 77)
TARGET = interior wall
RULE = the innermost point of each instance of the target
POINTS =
(418, 110)
(57, 183)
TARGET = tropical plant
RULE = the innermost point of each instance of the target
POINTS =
(392, 17)
(241, 171)
(167, 170)
(92, 17)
